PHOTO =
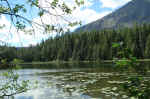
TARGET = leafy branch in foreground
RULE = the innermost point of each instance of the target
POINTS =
(11, 84)
(136, 86)
(57, 9)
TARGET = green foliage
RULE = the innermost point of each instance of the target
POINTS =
(2, 26)
(115, 45)
(54, 3)
(49, 27)
(66, 9)
(20, 25)
(16, 61)
(79, 2)
(4, 61)
(11, 84)
(18, 11)
(136, 86)
(4, 9)
(74, 23)
(18, 8)
(41, 13)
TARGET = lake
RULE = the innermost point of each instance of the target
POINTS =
(65, 81)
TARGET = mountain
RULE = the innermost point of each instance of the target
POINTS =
(136, 11)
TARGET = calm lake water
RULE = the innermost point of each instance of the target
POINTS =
(92, 81)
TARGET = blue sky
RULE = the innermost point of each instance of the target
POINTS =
(90, 11)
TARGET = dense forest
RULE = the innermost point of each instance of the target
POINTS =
(84, 46)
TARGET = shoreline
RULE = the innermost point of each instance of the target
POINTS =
(63, 62)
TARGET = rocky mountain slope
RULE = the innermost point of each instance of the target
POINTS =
(136, 11)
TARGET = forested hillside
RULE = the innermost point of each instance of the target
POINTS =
(91, 46)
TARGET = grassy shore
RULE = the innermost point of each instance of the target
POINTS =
(63, 62)
(58, 62)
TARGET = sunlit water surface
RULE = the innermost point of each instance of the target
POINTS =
(74, 83)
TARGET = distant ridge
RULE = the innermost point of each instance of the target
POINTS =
(136, 11)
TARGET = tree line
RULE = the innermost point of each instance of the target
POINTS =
(84, 46)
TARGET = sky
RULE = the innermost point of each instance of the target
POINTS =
(90, 11)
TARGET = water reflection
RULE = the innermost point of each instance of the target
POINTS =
(79, 83)
(62, 85)
(48, 93)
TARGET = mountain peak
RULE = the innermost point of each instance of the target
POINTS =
(136, 11)
(140, 1)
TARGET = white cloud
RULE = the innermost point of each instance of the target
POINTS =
(86, 15)
(113, 3)
(5, 31)
(10, 36)
(70, 3)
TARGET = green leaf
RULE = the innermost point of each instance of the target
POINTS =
(6, 74)
(41, 13)
(79, 2)
(115, 45)
(49, 28)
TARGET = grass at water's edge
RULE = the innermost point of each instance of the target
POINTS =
(58, 62)
(2, 66)
(101, 61)
(66, 64)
